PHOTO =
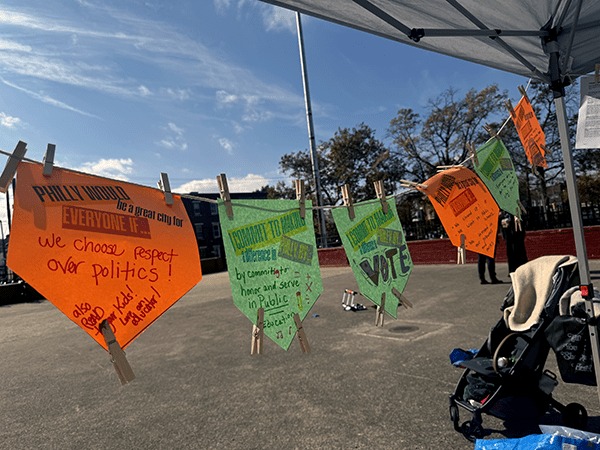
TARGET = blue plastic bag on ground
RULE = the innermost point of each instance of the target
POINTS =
(536, 442)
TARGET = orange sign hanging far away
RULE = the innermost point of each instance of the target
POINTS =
(101, 249)
(465, 206)
(530, 132)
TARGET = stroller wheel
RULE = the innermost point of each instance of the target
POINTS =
(575, 416)
(471, 430)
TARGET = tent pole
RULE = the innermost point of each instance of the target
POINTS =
(311, 134)
(575, 207)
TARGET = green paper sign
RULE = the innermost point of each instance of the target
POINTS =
(497, 172)
(273, 263)
(377, 251)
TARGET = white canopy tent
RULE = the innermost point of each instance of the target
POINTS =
(553, 41)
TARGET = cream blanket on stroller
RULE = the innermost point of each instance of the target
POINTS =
(532, 284)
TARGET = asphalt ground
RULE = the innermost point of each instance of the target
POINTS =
(198, 387)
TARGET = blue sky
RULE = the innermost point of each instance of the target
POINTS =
(131, 88)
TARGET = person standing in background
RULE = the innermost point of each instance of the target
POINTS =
(513, 233)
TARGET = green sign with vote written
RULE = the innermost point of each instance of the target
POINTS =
(272, 262)
(377, 251)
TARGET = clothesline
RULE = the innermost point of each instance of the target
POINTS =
(204, 199)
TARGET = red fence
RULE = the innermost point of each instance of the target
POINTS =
(441, 251)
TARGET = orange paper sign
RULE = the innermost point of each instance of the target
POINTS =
(465, 206)
(101, 249)
(530, 132)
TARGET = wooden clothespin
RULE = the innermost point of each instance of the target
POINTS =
(117, 354)
(381, 195)
(518, 225)
(597, 74)
(301, 196)
(510, 108)
(257, 333)
(165, 186)
(462, 253)
(11, 166)
(225, 196)
(523, 92)
(301, 334)
(348, 202)
(379, 317)
(48, 160)
(402, 299)
(473, 154)
(412, 184)
(491, 130)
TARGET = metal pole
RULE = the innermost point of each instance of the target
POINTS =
(8, 207)
(311, 133)
(575, 207)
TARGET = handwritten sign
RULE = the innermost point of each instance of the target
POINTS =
(530, 132)
(465, 206)
(497, 171)
(101, 249)
(377, 251)
(273, 263)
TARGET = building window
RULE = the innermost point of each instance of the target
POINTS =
(217, 251)
(216, 230)
(197, 211)
(203, 252)
(199, 234)
(214, 209)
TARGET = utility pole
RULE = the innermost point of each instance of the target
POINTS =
(311, 134)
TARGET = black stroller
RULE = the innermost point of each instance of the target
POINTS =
(506, 378)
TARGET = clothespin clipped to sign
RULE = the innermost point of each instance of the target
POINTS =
(381, 195)
(510, 108)
(491, 130)
(380, 312)
(301, 196)
(11, 166)
(412, 184)
(523, 92)
(117, 354)
(48, 160)
(165, 186)
(257, 333)
(462, 253)
(348, 202)
(473, 154)
(518, 226)
(402, 299)
(597, 73)
(301, 334)
(225, 196)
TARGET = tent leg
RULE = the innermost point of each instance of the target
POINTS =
(575, 207)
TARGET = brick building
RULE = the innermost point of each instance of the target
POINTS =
(205, 220)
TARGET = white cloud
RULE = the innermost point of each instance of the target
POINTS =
(276, 19)
(249, 183)
(144, 91)
(225, 99)
(117, 169)
(9, 121)
(176, 129)
(222, 5)
(227, 145)
(47, 99)
(14, 46)
(174, 142)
